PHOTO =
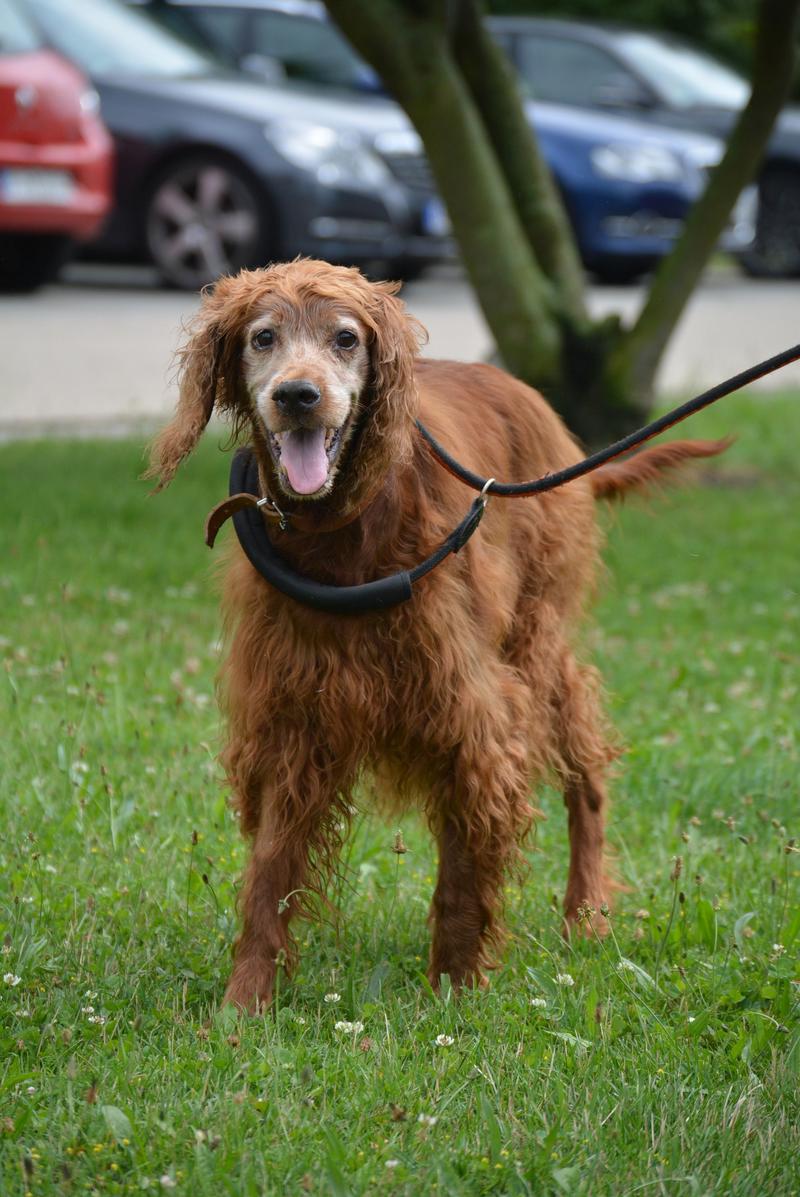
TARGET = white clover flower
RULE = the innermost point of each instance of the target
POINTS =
(98, 1018)
(90, 995)
(565, 979)
(444, 1040)
(428, 1119)
(625, 966)
(167, 1182)
(298, 1018)
(331, 998)
(31, 1089)
(539, 1003)
(12, 979)
(777, 950)
(392, 1163)
(87, 1009)
(349, 1028)
(691, 1018)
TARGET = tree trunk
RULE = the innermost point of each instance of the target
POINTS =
(637, 357)
(496, 91)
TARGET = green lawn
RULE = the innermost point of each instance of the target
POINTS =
(663, 1061)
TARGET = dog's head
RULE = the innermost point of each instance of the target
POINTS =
(316, 360)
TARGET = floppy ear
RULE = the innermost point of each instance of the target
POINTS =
(396, 341)
(208, 375)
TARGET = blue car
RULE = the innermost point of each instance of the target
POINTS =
(627, 184)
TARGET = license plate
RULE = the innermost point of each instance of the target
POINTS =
(19, 185)
(435, 221)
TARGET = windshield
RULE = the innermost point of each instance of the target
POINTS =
(16, 35)
(684, 77)
(105, 38)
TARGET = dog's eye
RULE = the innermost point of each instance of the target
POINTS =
(346, 339)
(263, 339)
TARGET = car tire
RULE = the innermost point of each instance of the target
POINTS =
(206, 216)
(28, 260)
(613, 272)
(776, 250)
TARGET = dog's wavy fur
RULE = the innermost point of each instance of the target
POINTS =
(460, 701)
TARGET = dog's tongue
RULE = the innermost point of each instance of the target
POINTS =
(304, 458)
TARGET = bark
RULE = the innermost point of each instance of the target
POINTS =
(496, 91)
(637, 357)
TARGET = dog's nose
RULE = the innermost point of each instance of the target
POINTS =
(297, 396)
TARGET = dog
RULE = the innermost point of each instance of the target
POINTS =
(459, 701)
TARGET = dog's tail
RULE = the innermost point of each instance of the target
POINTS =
(644, 470)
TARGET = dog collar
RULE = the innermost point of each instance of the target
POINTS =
(248, 509)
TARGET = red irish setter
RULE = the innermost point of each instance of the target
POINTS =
(459, 701)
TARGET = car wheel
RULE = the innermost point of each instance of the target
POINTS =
(205, 217)
(776, 250)
(27, 260)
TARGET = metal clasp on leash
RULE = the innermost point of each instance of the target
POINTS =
(273, 506)
(470, 524)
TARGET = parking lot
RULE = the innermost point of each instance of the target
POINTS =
(93, 354)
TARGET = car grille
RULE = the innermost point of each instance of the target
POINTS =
(413, 172)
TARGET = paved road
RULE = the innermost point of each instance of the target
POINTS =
(93, 354)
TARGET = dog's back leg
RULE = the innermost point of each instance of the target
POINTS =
(586, 754)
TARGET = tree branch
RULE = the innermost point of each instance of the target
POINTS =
(640, 351)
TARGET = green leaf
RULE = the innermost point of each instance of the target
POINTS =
(738, 929)
(644, 978)
(707, 923)
(565, 1178)
(575, 1040)
(375, 982)
(117, 1122)
(493, 1129)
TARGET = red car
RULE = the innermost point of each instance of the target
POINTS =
(55, 156)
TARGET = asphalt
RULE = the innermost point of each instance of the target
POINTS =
(94, 354)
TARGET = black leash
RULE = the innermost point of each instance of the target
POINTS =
(516, 490)
(384, 593)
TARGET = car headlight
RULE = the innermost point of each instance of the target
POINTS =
(638, 163)
(332, 156)
(90, 101)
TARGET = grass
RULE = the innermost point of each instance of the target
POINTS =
(666, 1063)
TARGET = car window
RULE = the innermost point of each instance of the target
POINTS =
(564, 71)
(17, 36)
(220, 30)
(309, 50)
(685, 77)
(105, 38)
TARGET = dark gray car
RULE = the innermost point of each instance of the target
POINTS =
(215, 172)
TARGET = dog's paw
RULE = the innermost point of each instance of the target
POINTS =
(250, 989)
(463, 979)
(585, 918)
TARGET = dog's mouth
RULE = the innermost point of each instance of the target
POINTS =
(306, 457)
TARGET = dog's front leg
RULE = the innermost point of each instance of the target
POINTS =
(275, 874)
